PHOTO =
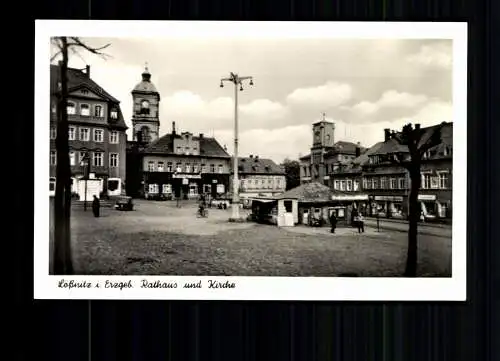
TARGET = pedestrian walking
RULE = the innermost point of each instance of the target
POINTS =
(361, 223)
(96, 205)
(333, 222)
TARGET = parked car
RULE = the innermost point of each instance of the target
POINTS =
(124, 203)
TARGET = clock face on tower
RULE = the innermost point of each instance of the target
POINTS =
(145, 104)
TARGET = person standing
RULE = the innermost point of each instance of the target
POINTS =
(96, 205)
(333, 222)
(361, 223)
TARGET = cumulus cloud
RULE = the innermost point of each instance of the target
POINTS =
(390, 99)
(436, 55)
(276, 144)
(330, 94)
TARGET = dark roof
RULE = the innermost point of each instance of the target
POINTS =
(308, 192)
(78, 79)
(393, 146)
(342, 147)
(209, 147)
(257, 165)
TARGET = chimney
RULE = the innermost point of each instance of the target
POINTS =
(417, 126)
(251, 155)
(173, 128)
(358, 151)
(387, 134)
(87, 70)
(201, 136)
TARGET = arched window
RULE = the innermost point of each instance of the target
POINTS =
(71, 108)
(146, 137)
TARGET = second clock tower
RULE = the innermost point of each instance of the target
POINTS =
(146, 110)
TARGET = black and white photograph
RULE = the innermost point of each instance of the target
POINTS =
(249, 160)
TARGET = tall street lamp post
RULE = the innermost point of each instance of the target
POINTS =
(236, 80)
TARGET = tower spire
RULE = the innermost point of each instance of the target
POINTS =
(324, 116)
(146, 75)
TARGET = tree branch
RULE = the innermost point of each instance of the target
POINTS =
(76, 42)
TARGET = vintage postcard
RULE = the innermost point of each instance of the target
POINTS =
(250, 160)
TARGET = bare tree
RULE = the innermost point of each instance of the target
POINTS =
(62, 201)
(417, 141)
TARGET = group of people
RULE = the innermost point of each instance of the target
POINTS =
(358, 221)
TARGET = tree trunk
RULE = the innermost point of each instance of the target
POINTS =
(414, 215)
(62, 202)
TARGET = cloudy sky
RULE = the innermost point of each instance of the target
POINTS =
(362, 85)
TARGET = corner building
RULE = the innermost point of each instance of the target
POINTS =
(96, 132)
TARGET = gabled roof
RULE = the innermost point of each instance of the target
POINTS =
(257, 165)
(76, 79)
(209, 147)
(393, 146)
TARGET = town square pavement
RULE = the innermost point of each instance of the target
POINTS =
(158, 238)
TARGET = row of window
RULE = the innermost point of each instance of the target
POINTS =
(428, 181)
(193, 188)
(260, 183)
(84, 134)
(187, 168)
(86, 110)
(346, 185)
(384, 183)
(76, 158)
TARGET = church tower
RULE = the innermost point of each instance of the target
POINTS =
(146, 110)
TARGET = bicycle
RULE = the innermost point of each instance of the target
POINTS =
(203, 213)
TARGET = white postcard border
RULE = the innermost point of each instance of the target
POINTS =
(253, 288)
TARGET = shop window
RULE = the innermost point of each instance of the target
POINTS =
(167, 189)
(207, 188)
(193, 189)
(153, 188)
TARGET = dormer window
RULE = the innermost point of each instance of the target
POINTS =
(98, 111)
(85, 110)
(114, 114)
(71, 108)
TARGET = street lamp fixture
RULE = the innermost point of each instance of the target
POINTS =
(236, 80)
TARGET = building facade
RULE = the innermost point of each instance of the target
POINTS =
(96, 134)
(184, 166)
(389, 184)
(259, 177)
(326, 155)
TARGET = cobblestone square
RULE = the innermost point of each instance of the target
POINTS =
(157, 238)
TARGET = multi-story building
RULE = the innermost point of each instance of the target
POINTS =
(184, 166)
(388, 184)
(326, 155)
(96, 132)
(259, 177)
(175, 165)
